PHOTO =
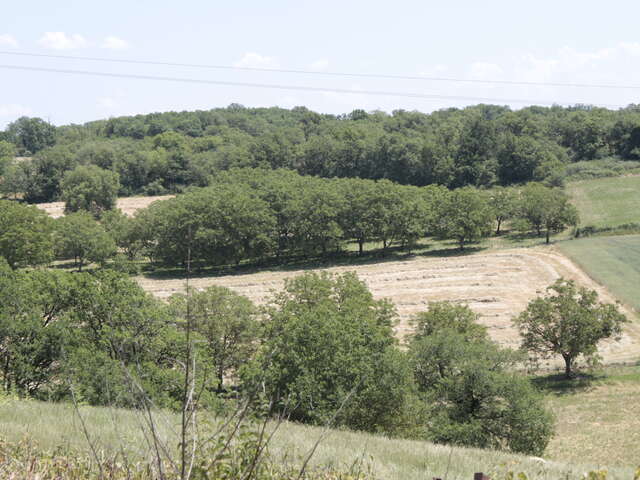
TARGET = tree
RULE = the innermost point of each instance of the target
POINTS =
(226, 321)
(465, 216)
(569, 322)
(34, 328)
(544, 208)
(80, 237)
(328, 350)
(504, 203)
(472, 397)
(31, 134)
(7, 152)
(25, 235)
(90, 188)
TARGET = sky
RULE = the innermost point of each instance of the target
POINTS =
(547, 42)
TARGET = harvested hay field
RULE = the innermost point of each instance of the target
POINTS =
(497, 285)
(128, 205)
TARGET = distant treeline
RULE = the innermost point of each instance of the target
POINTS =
(480, 146)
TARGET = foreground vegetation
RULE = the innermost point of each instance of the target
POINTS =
(56, 426)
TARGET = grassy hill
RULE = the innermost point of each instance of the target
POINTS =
(607, 202)
(612, 261)
(597, 426)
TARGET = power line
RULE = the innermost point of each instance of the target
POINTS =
(297, 87)
(333, 74)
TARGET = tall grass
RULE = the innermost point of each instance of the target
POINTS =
(54, 425)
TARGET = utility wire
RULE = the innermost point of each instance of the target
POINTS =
(299, 87)
(334, 74)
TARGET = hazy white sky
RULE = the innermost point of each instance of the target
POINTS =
(539, 41)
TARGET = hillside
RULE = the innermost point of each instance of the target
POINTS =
(51, 425)
(607, 202)
(497, 285)
(611, 261)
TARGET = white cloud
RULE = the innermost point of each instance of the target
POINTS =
(7, 40)
(62, 41)
(319, 65)
(255, 60)
(15, 110)
(114, 43)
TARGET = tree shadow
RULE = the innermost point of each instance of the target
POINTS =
(559, 385)
(342, 258)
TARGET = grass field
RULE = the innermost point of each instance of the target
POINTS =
(607, 202)
(53, 425)
(496, 284)
(612, 261)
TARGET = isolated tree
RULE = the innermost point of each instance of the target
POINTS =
(226, 321)
(329, 349)
(465, 380)
(465, 216)
(90, 188)
(569, 322)
(25, 235)
(79, 236)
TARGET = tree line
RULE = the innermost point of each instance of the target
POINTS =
(480, 146)
(254, 215)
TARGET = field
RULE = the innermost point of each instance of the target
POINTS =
(497, 285)
(51, 425)
(607, 202)
(128, 205)
(611, 261)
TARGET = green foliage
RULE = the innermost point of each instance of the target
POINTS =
(90, 188)
(568, 322)
(79, 237)
(31, 135)
(475, 146)
(227, 323)
(504, 205)
(25, 235)
(472, 397)
(7, 152)
(329, 351)
(545, 209)
(464, 216)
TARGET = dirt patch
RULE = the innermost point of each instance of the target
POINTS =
(128, 205)
(496, 285)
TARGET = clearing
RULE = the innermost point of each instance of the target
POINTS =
(612, 261)
(497, 285)
(607, 202)
(128, 205)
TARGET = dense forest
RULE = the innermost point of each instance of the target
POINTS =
(481, 146)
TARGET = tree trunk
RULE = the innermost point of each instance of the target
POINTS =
(498, 229)
(360, 247)
(568, 361)
(547, 235)
(461, 243)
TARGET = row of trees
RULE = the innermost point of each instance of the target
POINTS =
(251, 215)
(479, 146)
(321, 351)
